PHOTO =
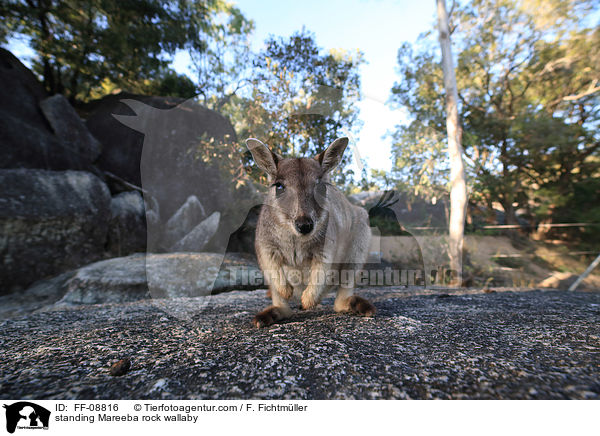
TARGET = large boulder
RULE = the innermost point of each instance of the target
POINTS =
(20, 93)
(197, 239)
(69, 128)
(39, 296)
(121, 145)
(173, 149)
(53, 138)
(183, 221)
(50, 222)
(127, 227)
(116, 280)
(166, 127)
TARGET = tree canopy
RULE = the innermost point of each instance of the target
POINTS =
(85, 46)
(291, 94)
(300, 98)
(529, 100)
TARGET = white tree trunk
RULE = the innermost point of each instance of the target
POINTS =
(458, 186)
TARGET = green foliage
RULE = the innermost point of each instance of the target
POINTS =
(420, 163)
(388, 226)
(222, 70)
(530, 106)
(580, 205)
(80, 44)
(172, 84)
(291, 95)
(300, 99)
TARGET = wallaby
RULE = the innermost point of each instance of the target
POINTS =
(309, 237)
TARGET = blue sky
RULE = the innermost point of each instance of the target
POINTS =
(377, 28)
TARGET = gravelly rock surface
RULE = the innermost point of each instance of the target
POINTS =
(421, 344)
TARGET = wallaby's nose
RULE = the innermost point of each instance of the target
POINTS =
(304, 225)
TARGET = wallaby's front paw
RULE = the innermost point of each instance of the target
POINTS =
(269, 316)
(308, 302)
(286, 291)
(360, 306)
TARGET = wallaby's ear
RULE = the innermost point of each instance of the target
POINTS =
(264, 158)
(331, 157)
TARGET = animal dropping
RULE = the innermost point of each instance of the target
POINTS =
(120, 368)
(309, 238)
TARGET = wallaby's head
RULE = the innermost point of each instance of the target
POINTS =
(298, 186)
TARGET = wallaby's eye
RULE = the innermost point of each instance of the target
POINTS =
(279, 189)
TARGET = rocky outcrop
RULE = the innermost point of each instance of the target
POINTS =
(121, 145)
(127, 226)
(36, 131)
(114, 280)
(422, 344)
(174, 150)
(153, 141)
(54, 219)
(50, 222)
(42, 294)
(141, 276)
(200, 235)
(20, 93)
(183, 221)
(563, 280)
(69, 128)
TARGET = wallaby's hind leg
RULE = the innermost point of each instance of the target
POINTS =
(346, 301)
(279, 310)
(342, 299)
(360, 306)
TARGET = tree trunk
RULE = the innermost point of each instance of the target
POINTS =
(507, 197)
(46, 37)
(510, 215)
(458, 186)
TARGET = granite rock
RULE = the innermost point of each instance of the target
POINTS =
(50, 222)
(422, 344)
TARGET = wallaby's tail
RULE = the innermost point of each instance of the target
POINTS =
(389, 198)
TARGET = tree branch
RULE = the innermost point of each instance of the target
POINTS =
(591, 90)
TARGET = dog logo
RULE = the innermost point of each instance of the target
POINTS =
(26, 415)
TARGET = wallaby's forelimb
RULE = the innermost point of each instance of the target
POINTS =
(316, 287)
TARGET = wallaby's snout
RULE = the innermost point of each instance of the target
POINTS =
(304, 225)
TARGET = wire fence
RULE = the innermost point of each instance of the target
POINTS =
(574, 253)
(507, 226)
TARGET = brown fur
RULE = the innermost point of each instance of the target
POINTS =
(301, 197)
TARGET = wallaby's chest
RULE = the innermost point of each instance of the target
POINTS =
(296, 254)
